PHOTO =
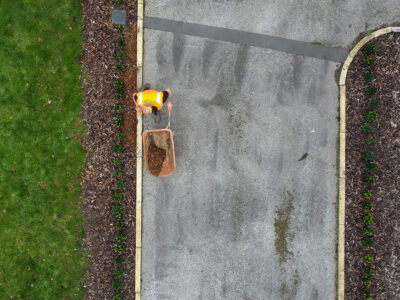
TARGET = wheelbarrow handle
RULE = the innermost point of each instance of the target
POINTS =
(169, 110)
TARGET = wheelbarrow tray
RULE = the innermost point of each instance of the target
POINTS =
(162, 138)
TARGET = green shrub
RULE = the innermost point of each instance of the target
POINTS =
(367, 230)
(373, 103)
(120, 55)
(370, 180)
(366, 281)
(372, 90)
(118, 273)
(368, 271)
(366, 295)
(118, 148)
(371, 115)
(367, 206)
(120, 248)
(370, 140)
(118, 121)
(371, 166)
(118, 84)
(121, 42)
(370, 61)
(120, 28)
(369, 258)
(368, 219)
(120, 224)
(119, 94)
(367, 242)
(120, 67)
(368, 155)
(118, 107)
(120, 184)
(118, 173)
(119, 2)
(118, 260)
(370, 49)
(369, 76)
(118, 211)
(117, 162)
(366, 128)
(367, 195)
(117, 284)
(117, 197)
(118, 296)
(120, 136)
(121, 236)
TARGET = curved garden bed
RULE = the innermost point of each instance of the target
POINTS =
(372, 228)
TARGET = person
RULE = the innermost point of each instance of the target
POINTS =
(152, 101)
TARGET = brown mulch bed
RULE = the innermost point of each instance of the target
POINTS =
(386, 190)
(98, 181)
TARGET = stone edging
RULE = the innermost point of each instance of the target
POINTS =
(342, 155)
(139, 159)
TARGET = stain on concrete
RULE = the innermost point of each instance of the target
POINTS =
(298, 66)
(303, 157)
(209, 49)
(178, 45)
(282, 230)
(240, 65)
(160, 51)
(238, 207)
(288, 289)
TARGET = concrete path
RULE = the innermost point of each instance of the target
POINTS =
(250, 212)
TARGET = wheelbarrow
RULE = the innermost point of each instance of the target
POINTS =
(159, 150)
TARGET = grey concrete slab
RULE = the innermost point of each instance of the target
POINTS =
(332, 22)
(118, 16)
(242, 218)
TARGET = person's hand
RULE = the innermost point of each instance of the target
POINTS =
(169, 105)
(138, 109)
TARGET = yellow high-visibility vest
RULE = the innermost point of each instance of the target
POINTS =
(149, 98)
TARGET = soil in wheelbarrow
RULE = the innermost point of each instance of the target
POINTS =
(156, 158)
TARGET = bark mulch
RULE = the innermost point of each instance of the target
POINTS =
(98, 181)
(386, 190)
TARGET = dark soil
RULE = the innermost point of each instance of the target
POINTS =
(156, 157)
(386, 190)
(98, 182)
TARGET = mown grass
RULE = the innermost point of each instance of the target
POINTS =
(40, 153)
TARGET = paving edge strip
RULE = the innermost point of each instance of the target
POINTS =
(139, 158)
(342, 154)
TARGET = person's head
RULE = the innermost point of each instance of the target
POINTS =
(168, 90)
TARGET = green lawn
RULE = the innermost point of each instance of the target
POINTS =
(40, 155)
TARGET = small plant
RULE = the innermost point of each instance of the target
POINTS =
(373, 103)
(119, 2)
(370, 61)
(366, 128)
(121, 42)
(366, 281)
(120, 67)
(120, 184)
(372, 90)
(369, 258)
(121, 237)
(117, 162)
(118, 260)
(120, 136)
(117, 296)
(119, 249)
(120, 28)
(367, 206)
(369, 76)
(367, 242)
(371, 166)
(118, 84)
(118, 121)
(118, 148)
(118, 273)
(368, 219)
(368, 271)
(366, 295)
(117, 284)
(118, 211)
(118, 107)
(368, 155)
(119, 94)
(367, 195)
(367, 230)
(370, 49)
(369, 180)
(118, 173)
(117, 197)
(370, 140)
(371, 115)
(120, 55)
(120, 224)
